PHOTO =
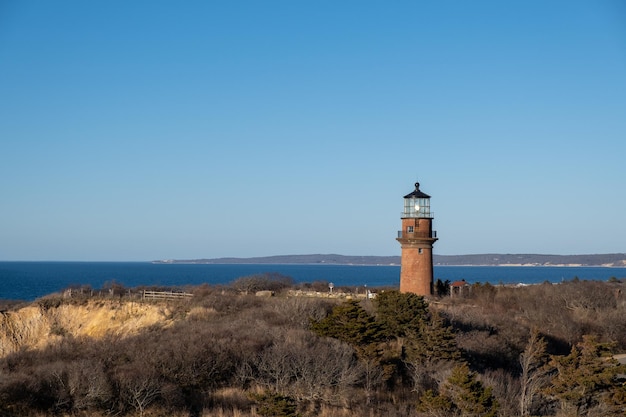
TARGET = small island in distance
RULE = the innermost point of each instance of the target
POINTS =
(490, 259)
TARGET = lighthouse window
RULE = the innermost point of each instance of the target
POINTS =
(419, 251)
(409, 229)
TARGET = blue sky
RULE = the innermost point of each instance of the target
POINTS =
(140, 130)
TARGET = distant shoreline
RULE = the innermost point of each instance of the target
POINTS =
(511, 260)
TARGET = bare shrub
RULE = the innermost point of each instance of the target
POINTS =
(88, 385)
(429, 375)
(230, 399)
(232, 303)
(534, 375)
(269, 281)
(114, 288)
(318, 286)
(298, 312)
(15, 393)
(506, 390)
(138, 388)
(307, 367)
(48, 388)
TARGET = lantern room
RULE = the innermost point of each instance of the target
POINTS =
(417, 204)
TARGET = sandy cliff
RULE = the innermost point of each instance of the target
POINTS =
(38, 325)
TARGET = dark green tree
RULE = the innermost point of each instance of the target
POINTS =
(435, 405)
(350, 323)
(442, 288)
(401, 314)
(422, 339)
(275, 405)
(461, 395)
(434, 341)
(586, 378)
(469, 395)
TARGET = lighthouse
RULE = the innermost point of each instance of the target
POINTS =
(417, 238)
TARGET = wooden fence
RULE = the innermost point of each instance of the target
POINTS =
(165, 295)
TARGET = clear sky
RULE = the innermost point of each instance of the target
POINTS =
(141, 130)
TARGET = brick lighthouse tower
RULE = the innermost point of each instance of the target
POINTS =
(417, 238)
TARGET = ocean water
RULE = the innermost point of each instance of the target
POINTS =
(31, 280)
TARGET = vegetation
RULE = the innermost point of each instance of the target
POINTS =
(543, 350)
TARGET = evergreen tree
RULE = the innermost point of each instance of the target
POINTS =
(423, 339)
(435, 341)
(435, 405)
(350, 323)
(442, 288)
(586, 377)
(468, 394)
(462, 395)
(400, 313)
(275, 405)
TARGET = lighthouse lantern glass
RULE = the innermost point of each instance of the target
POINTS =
(417, 207)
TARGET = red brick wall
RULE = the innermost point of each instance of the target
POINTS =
(416, 272)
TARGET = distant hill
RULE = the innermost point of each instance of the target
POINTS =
(330, 259)
(609, 259)
(490, 259)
